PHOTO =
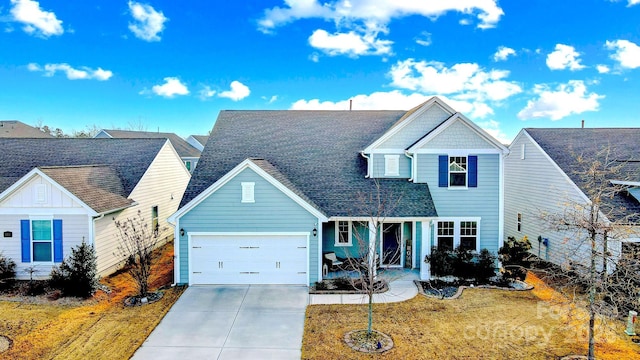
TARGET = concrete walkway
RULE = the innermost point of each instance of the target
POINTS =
(401, 288)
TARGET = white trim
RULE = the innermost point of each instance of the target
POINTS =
(425, 249)
(395, 129)
(466, 173)
(413, 245)
(456, 151)
(387, 151)
(349, 234)
(45, 210)
(37, 172)
(233, 173)
(177, 277)
(32, 240)
(320, 256)
(386, 219)
(625, 183)
(248, 233)
(522, 151)
(501, 201)
(470, 124)
(456, 230)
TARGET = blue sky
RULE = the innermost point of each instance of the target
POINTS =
(173, 65)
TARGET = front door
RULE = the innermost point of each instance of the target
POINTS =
(391, 244)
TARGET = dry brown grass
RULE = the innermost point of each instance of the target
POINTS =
(482, 324)
(101, 328)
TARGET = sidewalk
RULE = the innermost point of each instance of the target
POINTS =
(401, 288)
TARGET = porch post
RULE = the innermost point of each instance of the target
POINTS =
(373, 240)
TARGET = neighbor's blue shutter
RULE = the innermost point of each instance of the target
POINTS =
(57, 241)
(25, 236)
(443, 171)
(473, 171)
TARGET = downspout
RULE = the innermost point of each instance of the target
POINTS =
(368, 164)
(93, 229)
(413, 168)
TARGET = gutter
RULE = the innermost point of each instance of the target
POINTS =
(413, 168)
(368, 164)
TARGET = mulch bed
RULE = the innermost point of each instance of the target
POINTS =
(138, 300)
(344, 286)
(377, 342)
(453, 289)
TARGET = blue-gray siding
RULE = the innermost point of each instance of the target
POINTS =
(378, 162)
(359, 240)
(482, 201)
(272, 211)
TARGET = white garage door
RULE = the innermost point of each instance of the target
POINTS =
(248, 259)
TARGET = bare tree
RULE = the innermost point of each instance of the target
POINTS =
(374, 208)
(136, 244)
(595, 228)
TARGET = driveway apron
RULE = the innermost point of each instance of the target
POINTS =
(231, 322)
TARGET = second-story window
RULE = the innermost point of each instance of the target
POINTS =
(458, 171)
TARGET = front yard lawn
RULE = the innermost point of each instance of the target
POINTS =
(481, 324)
(98, 328)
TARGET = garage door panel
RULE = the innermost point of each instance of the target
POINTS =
(249, 259)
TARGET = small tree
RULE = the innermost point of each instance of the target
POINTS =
(136, 244)
(78, 274)
(515, 258)
(7, 271)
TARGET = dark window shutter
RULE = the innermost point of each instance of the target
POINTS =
(57, 241)
(25, 243)
(443, 171)
(473, 170)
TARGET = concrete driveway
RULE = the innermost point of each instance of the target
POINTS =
(231, 322)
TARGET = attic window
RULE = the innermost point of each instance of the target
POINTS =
(248, 192)
(392, 165)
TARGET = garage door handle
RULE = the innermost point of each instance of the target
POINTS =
(197, 247)
(249, 247)
(197, 272)
(249, 272)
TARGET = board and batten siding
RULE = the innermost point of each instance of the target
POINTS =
(162, 185)
(534, 185)
(272, 211)
(482, 201)
(75, 229)
(418, 127)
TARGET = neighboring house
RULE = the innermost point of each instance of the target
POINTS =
(542, 178)
(56, 193)
(198, 141)
(17, 129)
(276, 190)
(188, 153)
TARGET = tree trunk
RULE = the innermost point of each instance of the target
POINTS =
(592, 296)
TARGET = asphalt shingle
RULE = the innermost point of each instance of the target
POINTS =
(183, 148)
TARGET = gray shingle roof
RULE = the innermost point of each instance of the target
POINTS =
(564, 145)
(130, 158)
(17, 129)
(183, 148)
(98, 186)
(317, 151)
(202, 139)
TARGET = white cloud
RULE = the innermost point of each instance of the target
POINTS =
(564, 57)
(82, 73)
(37, 21)
(351, 43)
(503, 53)
(390, 100)
(378, 12)
(567, 99)
(172, 86)
(626, 53)
(602, 69)
(238, 91)
(465, 81)
(424, 39)
(206, 92)
(633, 2)
(147, 21)
(493, 128)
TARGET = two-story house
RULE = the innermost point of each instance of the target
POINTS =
(275, 190)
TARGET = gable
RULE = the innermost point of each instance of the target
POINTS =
(458, 135)
(415, 127)
(35, 191)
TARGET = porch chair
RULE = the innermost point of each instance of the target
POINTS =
(330, 262)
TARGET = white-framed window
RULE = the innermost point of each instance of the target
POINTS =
(392, 165)
(457, 171)
(155, 225)
(42, 240)
(343, 233)
(452, 233)
(248, 192)
(446, 235)
(519, 222)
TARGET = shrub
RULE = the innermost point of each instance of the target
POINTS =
(77, 275)
(485, 267)
(441, 262)
(463, 263)
(7, 272)
(515, 257)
